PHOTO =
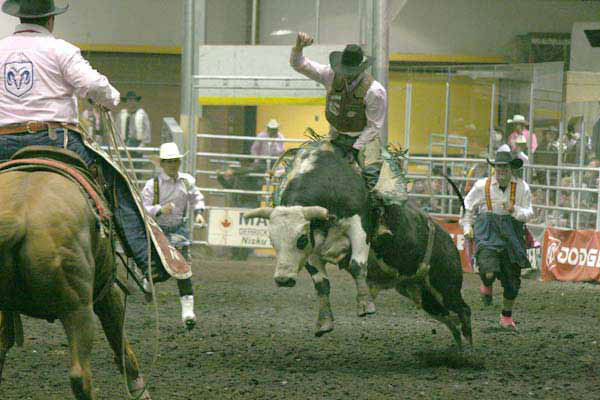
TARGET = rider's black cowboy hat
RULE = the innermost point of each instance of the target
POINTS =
(32, 8)
(506, 158)
(350, 62)
(131, 96)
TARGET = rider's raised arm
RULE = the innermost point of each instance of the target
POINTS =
(376, 101)
(86, 81)
(311, 69)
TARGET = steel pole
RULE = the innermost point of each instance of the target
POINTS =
(381, 53)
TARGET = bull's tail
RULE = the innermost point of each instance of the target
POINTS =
(460, 197)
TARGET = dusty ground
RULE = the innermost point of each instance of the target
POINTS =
(255, 341)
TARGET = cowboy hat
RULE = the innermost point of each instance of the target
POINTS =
(170, 151)
(131, 96)
(351, 61)
(32, 8)
(506, 158)
(273, 124)
(518, 119)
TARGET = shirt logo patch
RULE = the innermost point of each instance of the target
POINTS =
(18, 74)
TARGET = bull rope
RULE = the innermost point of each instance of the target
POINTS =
(108, 119)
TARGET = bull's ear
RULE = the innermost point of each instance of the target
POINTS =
(263, 212)
(315, 212)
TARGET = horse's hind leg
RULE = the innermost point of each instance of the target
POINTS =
(110, 310)
(79, 326)
(7, 337)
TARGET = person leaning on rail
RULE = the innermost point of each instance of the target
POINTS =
(504, 202)
(42, 77)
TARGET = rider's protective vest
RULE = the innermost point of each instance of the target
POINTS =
(346, 110)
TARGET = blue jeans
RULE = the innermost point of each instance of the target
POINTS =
(128, 221)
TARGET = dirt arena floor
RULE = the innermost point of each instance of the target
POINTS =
(255, 341)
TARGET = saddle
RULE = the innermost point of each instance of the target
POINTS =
(65, 163)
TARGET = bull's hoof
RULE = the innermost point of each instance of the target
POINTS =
(323, 328)
(366, 308)
(137, 389)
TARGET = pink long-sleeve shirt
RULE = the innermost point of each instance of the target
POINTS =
(375, 98)
(40, 77)
(267, 148)
(513, 137)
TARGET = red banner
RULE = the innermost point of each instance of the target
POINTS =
(571, 255)
(456, 232)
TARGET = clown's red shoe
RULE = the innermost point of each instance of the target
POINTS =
(486, 294)
(507, 323)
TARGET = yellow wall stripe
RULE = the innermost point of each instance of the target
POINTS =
(443, 58)
(115, 48)
(254, 101)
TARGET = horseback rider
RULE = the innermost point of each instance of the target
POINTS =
(356, 108)
(41, 77)
(167, 198)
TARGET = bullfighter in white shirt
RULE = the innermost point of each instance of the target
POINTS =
(504, 204)
(168, 197)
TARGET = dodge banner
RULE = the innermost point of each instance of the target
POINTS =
(571, 255)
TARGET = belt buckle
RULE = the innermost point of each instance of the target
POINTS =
(29, 126)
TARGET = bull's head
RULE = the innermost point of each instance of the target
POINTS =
(290, 233)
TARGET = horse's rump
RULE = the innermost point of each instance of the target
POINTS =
(50, 245)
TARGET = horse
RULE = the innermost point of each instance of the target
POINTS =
(57, 262)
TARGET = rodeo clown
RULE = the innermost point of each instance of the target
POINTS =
(355, 109)
(167, 198)
(40, 79)
(504, 203)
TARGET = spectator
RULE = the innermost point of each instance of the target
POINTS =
(520, 128)
(550, 142)
(91, 119)
(572, 144)
(242, 179)
(497, 139)
(167, 198)
(268, 148)
(134, 123)
(596, 139)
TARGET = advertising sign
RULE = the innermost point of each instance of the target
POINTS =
(230, 228)
(571, 255)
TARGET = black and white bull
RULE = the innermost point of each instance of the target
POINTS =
(420, 261)
(324, 216)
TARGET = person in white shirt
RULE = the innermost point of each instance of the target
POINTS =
(355, 109)
(504, 204)
(40, 79)
(167, 198)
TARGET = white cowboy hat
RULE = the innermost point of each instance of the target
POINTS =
(169, 151)
(273, 124)
(518, 119)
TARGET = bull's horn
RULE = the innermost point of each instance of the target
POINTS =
(263, 212)
(315, 212)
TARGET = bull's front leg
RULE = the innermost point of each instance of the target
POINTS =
(318, 272)
(358, 266)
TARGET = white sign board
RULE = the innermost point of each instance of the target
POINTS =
(229, 227)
